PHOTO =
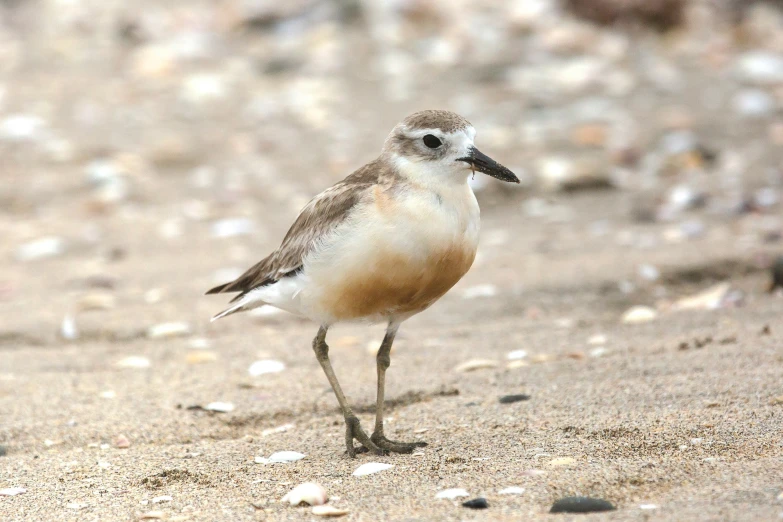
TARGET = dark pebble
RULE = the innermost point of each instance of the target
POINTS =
(476, 503)
(777, 275)
(581, 505)
(508, 399)
(3, 451)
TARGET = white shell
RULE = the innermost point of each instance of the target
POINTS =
(309, 493)
(513, 490)
(10, 492)
(452, 493)
(370, 468)
(222, 407)
(516, 355)
(329, 511)
(134, 361)
(476, 364)
(281, 457)
(265, 366)
(639, 314)
(162, 498)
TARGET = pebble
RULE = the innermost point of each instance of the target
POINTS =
(134, 361)
(220, 407)
(508, 399)
(265, 366)
(370, 468)
(452, 493)
(162, 498)
(200, 357)
(122, 442)
(648, 506)
(776, 279)
(153, 515)
(328, 511)
(476, 503)
(19, 128)
(42, 248)
(513, 490)
(639, 315)
(3, 451)
(11, 492)
(581, 505)
(476, 364)
(597, 340)
(309, 493)
(280, 457)
(168, 330)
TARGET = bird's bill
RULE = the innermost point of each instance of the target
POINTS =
(486, 165)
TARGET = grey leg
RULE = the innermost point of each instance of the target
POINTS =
(383, 361)
(353, 429)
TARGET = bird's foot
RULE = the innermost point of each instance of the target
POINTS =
(380, 440)
(353, 430)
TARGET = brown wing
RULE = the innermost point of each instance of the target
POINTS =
(319, 217)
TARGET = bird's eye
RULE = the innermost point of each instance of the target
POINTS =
(431, 141)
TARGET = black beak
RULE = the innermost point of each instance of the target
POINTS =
(483, 163)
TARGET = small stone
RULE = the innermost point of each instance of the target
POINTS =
(370, 468)
(3, 451)
(162, 498)
(153, 515)
(309, 493)
(581, 505)
(220, 407)
(452, 493)
(19, 128)
(42, 248)
(648, 507)
(122, 442)
(328, 511)
(134, 361)
(476, 503)
(513, 490)
(508, 399)
(597, 340)
(639, 315)
(476, 364)
(168, 330)
(777, 275)
(753, 103)
(200, 357)
(12, 492)
(265, 366)
(761, 67)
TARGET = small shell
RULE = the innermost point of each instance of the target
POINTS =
(167, 330)
(309, 493)
(516, 355)
(280, 457)
(513, 490)
(476, 364)
(452, 493)
(370, 468)
(162, 498)
(134, 361)
(221, 407)
(122, 442)
(265, 366)
(10, 492)
(329, 511)
(639, 314)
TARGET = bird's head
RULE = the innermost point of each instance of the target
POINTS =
(436, 146)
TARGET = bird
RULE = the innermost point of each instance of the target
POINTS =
(382, 245)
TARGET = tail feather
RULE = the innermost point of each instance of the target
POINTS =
(242, 302)
(239, 307)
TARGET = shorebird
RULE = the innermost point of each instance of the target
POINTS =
(381, 245)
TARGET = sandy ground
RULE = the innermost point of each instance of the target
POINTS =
(677, 412)
(134, 137)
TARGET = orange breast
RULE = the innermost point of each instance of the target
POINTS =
(398, 284)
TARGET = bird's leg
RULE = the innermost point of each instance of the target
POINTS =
(383, 361)
(353, 429)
